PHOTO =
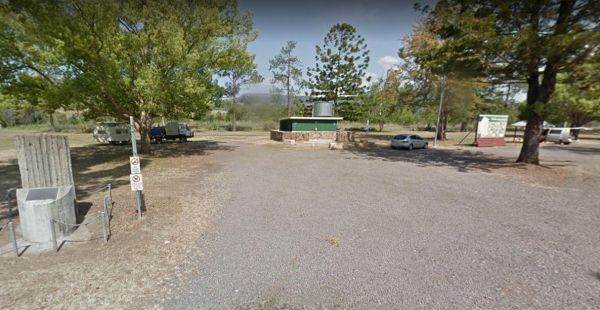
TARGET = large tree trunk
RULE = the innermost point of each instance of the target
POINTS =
(381, 124)
(538, 95)
(144, 125)
(233, 121)
(531, 138)
(441, 132)
(51, 119)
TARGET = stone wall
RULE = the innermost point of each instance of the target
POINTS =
(339, 136)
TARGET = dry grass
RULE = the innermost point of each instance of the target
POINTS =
(334, 241)
(128, 271)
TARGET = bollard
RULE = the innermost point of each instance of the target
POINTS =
(106, 207)
(53, 232)
(107, 213)
(13, 238)
(110, 194)
(104, 233)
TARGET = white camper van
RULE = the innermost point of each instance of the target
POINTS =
(112, 133)
(560, 135)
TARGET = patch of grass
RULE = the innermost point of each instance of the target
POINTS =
(245, 125)
(7, 136)
(334, 241)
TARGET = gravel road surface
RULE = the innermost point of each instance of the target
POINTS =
(386, 229)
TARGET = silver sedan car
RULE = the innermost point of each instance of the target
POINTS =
(408, 142)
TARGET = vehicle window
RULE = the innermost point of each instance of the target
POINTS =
(555, 132)
(400, 137)
(417, 137)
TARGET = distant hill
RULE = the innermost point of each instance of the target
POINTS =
(264, 98)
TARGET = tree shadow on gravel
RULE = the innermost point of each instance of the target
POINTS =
(595, 275)
(96, 165)
(178, 149)
(581, 150)
(461, 160)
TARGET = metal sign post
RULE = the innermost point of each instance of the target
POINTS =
(136, 173)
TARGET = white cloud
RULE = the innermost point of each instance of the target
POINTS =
(388, 61)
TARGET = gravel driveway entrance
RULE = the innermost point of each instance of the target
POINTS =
(328, 229)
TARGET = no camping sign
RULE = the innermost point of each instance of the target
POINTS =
(137, 183)
(134, 163)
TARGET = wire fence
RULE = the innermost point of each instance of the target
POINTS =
(104, 217)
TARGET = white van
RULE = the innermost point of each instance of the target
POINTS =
(112, 133)
(560, 135)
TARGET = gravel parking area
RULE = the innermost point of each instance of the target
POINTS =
(377, 228)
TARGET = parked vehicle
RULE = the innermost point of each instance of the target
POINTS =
(171, 131)
(408, 142)
(112, 132)
(560, 136)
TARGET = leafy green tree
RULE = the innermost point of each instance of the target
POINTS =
(239, 70)
(286, 72)
(524, 41)
(577, 96)
(383, 99)
(340, 67)
(128, 58)
(30, 63)
(419, 78)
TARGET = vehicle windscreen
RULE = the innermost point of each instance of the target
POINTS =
(400, 137)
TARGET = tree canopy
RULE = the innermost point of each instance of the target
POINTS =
(515, 41)
(121, 58)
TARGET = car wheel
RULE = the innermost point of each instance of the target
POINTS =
(410, 147)
(425, 145)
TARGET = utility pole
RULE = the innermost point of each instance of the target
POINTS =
(437, 125)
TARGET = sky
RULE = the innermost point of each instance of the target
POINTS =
(382, 23)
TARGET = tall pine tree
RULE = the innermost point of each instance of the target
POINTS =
(286, 72)
(340, 66)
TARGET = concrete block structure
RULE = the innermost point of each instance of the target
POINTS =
(44, 161)
(37, 206)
